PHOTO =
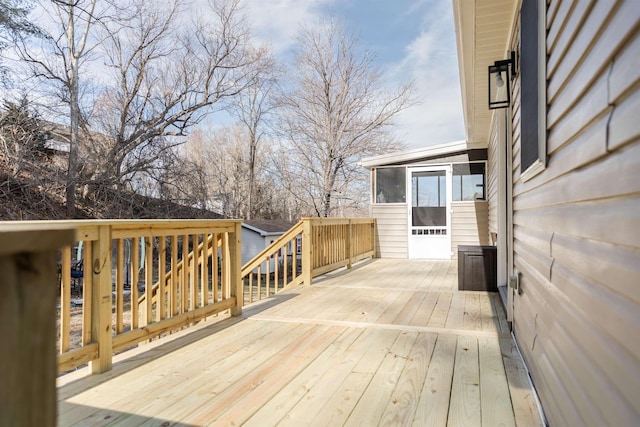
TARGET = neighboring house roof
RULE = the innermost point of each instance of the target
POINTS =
(268, 227)
(433, 151)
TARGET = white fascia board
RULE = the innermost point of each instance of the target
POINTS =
(464, 23)
(420, 153)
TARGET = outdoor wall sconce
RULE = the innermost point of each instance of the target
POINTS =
(499, 74)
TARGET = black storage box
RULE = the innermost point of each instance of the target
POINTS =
(477, 268)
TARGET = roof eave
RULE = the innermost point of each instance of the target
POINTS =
(482, 36)
(420, 153)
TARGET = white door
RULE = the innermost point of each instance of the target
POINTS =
(430, 212)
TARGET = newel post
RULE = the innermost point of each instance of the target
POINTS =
(307, 251)
(29, 288)
(101, 300)
(235, 273)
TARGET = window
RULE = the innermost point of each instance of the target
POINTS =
(468, 182)
(429, 199)
(533, 86)
(429, 189)
(391, 185)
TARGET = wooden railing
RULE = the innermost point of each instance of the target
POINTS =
(338, 242)
(191, 269)
(135, 280)
(312, 247)
(282, 256)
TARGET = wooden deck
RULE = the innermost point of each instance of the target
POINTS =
(391, 342)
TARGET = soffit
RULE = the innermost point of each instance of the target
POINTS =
(482, 33)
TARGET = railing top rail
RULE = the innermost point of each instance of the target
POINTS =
(117, 222)
(362, 220)
(338, 221)
(87, 229)
(17, 239)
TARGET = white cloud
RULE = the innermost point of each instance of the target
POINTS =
(277, 21)
(431, 61)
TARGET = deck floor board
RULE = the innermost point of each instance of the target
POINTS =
(391, 342)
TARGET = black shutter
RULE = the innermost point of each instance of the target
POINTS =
(529, 132)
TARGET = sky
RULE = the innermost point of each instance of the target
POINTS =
(412, 40)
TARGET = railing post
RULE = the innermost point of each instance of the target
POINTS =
(27, 324)
(235, 273)
(349, 248)
(307, 251)
(101, 303)
(373, 239)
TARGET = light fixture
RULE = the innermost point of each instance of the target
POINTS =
(499, 93)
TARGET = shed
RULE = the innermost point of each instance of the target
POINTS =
(428, 201)
(257, 234)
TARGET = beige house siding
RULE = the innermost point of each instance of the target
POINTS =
(469, 224)
(391, 230)
(493, 169)
(577, 224)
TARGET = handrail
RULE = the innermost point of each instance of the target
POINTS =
(106, 317)
(272, 248)
(327, 244)
(284, 250)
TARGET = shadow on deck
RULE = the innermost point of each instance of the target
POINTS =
(390, 342)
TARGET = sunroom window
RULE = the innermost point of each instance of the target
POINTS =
(391, 185)
(468, 182)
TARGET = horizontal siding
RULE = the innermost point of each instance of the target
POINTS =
(493, 170)
(469, 224)
(595, 45)
(576, 224)
(391, 230)
(252, 245)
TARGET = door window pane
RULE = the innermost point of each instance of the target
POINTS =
(429, 189)
(429, 199)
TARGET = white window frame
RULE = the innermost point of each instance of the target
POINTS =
(374, 179)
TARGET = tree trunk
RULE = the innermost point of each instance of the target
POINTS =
(73, 145)
(326, 208)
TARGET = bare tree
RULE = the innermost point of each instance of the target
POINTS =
(220, 177)
(167, 79)
(222, 155)
(252, 107)
(59, 60)
(335, 111)
(197, 184)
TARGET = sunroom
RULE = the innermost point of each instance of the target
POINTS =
(429, 201)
